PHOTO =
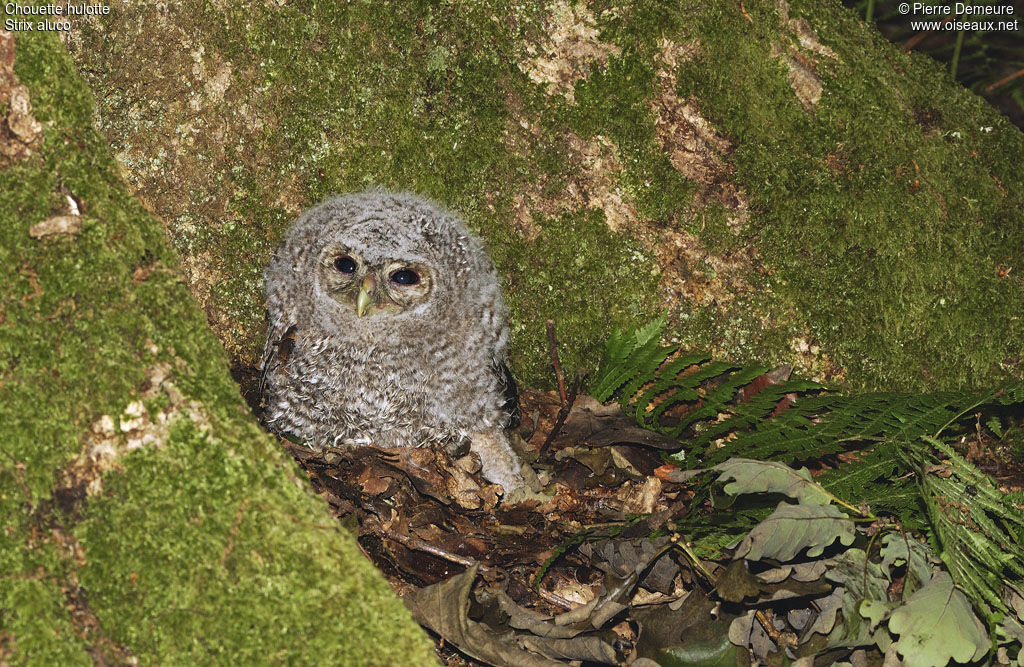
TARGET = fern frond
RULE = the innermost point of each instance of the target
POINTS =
(688, 394)
(629, 358)
(903, 440)
(978, 531)
(668, 380)
(651, 381)
(878, 479)
(815, 426)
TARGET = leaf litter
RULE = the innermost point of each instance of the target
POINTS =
(624, 557)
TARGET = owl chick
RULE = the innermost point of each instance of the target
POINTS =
(386, 326)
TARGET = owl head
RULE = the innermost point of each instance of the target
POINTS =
(383, 260)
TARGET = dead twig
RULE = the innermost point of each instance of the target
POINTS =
(919, 37)
(563, 414)
(1005, 80)
(417, 544)
(553, 349)
(743, 8)
(781, 639)
(567, 400)
(556, 599)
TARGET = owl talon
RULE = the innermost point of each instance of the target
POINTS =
(498, 463)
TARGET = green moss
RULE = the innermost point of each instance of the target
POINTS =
(640, 24)
(35, 624)
(864, 211)
(160, 558)
(233, 538)
(710, 226)
(585, 278)
(67, 334)
(345, 116)
(32, 612)
(899, 217)
(614, 102)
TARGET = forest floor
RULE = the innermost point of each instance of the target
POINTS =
(598, 566)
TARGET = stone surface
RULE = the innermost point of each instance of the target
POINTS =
(145, 517)
(786, 184)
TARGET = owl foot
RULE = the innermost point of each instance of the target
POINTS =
(498, 463)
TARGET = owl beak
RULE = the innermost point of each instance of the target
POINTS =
(364, 299)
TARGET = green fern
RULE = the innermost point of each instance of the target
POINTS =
(652, 379)
(878, 479)
(820, 425)
(628, 358)
(979, 532)
(902, 439)
(715, 425)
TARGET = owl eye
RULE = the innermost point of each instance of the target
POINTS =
(345, 264)
(405, 277)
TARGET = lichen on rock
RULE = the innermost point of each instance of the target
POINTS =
(723, 145)
(570, 49)
(20, 132)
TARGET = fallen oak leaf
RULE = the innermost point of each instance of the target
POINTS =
(592, 424)
(752, 476)
(792, 528)
(695, 633)
(444, 608)
(937, 624)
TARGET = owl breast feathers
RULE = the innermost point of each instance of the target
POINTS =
(386, 326)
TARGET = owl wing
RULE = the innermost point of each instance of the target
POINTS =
(277, 349)
(511, 392)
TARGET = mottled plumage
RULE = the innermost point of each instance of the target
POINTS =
(386, 326)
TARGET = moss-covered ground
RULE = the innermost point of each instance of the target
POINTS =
(863, 236)
(200, 546)
(656, 156)
(890, 215)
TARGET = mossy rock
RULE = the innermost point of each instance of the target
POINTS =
(786, 184)
(145, 515)
(782, 181)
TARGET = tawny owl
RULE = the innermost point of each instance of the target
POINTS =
(386, 326)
